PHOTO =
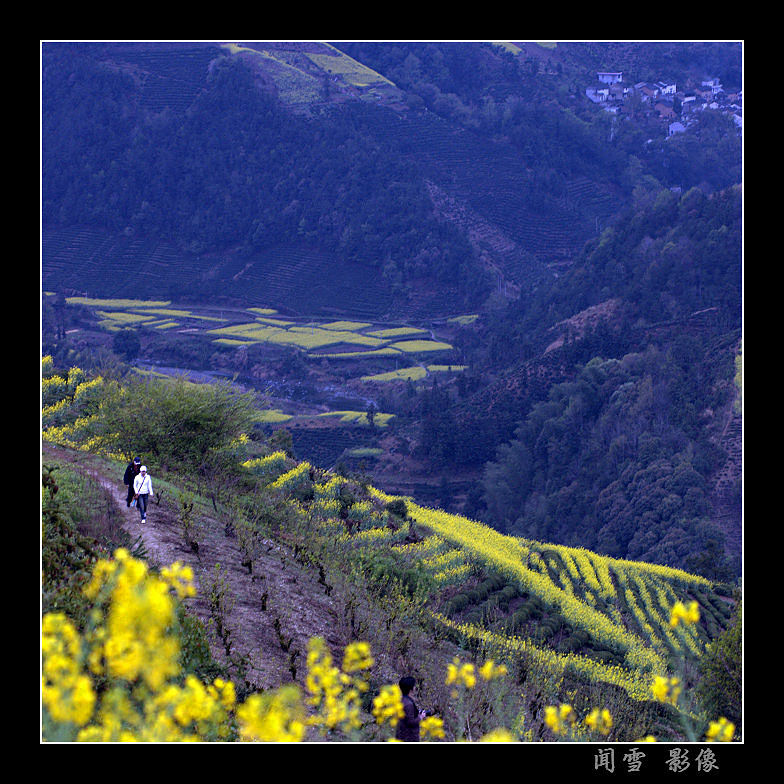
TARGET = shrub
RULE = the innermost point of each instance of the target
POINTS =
(268, 468)
(397, 507)
(192, 427)
(721, 668)
(66, 555)
(126, 342)
(458, 603)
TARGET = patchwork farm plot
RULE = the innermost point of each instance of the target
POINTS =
(117, 314)
(355, 342)
(414, 373)
(323, 339)
(337, 339)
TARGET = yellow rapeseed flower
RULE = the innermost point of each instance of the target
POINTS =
(666, 689)
(490, 670)
(133, 645)
(66, 692)
(557, 718)
(499, 735)
(432, 727)
(722, 731)
(272, 718)
(224, 692)
(135, 641)
(680, 612)
(102, 572)
(388, 705)
(461, 674)
(660, 688)
(357, 657)
(599, 720)
(334, 694)
(180, 578)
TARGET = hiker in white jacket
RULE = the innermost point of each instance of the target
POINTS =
(142, 489)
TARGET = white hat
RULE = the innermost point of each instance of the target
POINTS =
(143, 468)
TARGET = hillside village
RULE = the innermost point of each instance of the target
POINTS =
(679, 109)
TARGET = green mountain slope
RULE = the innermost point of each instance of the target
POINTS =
(218, 169)
(563, 620)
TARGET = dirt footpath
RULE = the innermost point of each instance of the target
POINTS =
(280, 600)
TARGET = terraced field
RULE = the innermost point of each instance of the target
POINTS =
(298, 70)
(172, 75)
(341, 338)
(336, 339)
(566, 609)
(323, 435)
(129, 267)
(605, 618)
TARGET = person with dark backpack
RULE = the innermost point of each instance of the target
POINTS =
(407, 729)
(130, 474)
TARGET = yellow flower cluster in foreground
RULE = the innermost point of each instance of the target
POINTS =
(721, 730)
(135, 642)
(681, 612)
(335, 694)
(277, 717)
(66, 690)
(563, 721)
(559, 719)
(599, 720)
(388, 705)
(432, 727)
(461, 674)
(132, 646)
(667, 689)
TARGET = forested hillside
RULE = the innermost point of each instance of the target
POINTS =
(629, 399)
(196, 163)
(195, 201)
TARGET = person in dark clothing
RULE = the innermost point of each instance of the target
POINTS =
(130, 474)
(407, 728)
